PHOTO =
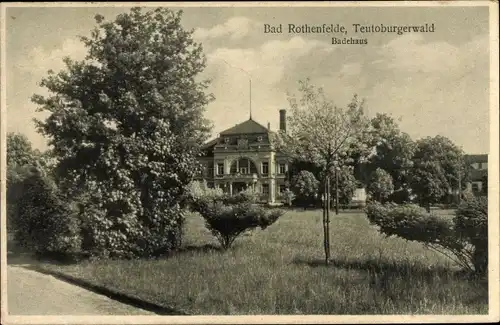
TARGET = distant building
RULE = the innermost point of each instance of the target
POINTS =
(478, 172)
(242, 157)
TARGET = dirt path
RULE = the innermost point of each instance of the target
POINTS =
(33, 293)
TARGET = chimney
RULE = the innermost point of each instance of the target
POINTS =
(269, 126)
(283, 119)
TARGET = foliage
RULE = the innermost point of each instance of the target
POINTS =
(126, 125)
(287, 197)
(452, 238)
(471, 224)
(198, 190)
(21, 159)
(320, 132)
(227, 222)
(19, 150)
(46, 223)
(439, 166)
(484, 180)
(380, 186)
(394, 149)
(347, 185)
(428, 182)
(305, 187)
(400, 196)
(228, 217)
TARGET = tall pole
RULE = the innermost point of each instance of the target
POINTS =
(250, 79)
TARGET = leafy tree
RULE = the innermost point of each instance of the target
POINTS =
(347, 184)
(450, 157)
(305, 187)
(126, 125)
(394, 149)
(428, 182)
(19, 150)
(325, 135)
(380, 186)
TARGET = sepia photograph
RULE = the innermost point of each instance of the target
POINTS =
(259, 162)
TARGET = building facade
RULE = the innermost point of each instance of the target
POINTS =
(243, 157)
(478, 173)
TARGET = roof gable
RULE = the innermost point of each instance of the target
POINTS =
(247, 127)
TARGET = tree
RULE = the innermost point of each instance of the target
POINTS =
(394, 149)
(428, 182)
(126, 125)
(325, 135)
(19, 150)
(439, 167)
(21, 158)
(305, 187)
(347, 185)
(380, 186)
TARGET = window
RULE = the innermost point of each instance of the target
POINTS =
(265, 168)
(220, 169)
(282, 169)
(475, 187)
(265, 189)
(243, 170)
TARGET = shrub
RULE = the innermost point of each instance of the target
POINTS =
(458, 239)
(46, 224)
(227, 222)
(228, 217)
(471, 224)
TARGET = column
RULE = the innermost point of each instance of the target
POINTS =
(272, 189)
(272, 181)
(230, 188)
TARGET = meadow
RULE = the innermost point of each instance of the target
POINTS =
(281, 270)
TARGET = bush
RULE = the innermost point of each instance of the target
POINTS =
(228, 217)
(46, 223)
(227, 222)
(459, 239)
(471, 224)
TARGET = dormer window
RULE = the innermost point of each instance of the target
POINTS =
(259, 138)
(226, 140)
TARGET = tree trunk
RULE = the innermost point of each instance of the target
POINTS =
(325, 228)
(336, 192)
(328, 220)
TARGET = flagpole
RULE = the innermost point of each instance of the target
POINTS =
(250, 83)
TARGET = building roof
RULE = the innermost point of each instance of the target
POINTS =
(476, 158)
(247, 127)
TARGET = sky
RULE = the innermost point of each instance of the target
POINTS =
(432, 83)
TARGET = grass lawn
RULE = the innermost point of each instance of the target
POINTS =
(280, 271)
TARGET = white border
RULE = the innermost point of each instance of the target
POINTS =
(493, 181)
